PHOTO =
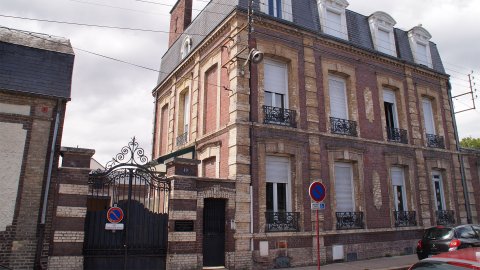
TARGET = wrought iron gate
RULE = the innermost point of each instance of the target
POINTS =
(131, 183)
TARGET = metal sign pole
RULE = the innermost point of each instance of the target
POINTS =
(318, 243)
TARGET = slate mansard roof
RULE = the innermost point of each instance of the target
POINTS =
(35, 63)
(305, 16)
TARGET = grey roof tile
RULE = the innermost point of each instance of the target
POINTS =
(37, 66)
(305, 16)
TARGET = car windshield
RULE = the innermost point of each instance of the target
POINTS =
(439, 233)
(441, 266)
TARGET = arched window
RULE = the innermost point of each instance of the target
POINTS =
(186, 46)
(381, 27)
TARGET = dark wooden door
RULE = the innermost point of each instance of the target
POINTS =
(214, 232)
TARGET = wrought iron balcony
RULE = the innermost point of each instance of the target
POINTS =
(282, 221)
(397, 135)
(182, 139)
(279, 116)
(445, 217)
(435, 141)
(343, 126)
(349, 220)
(405, 218)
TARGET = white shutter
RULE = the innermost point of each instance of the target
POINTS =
(275, 76)
(277, 170)
(388, 96)
(383, 41)
(422, 54)
(428, 116)
(186, 112)
(287, 10)
(343, 187)
(397, 176)
(263, 6)
(333, 24)
(338, 96)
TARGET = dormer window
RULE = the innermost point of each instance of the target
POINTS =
(420, 44)
(381, 27)
(332, 17)
(186, 46)
(277, 8)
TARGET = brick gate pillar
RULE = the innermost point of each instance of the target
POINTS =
(183, 224)
(70, 208)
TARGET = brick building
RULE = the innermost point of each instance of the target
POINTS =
(339, 97)
(35, 81)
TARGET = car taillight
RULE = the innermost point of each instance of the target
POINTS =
(454, 244)
(419, 244)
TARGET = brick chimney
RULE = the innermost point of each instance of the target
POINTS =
(180, 19)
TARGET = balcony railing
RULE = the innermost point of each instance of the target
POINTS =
(279, 116)
(405, 218)
(435, 141)
(445, 217)
(182, 139)
(349, 220)
(282, 221)
(397, 135)
(343, 126)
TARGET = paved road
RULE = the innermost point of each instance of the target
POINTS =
(397, 262)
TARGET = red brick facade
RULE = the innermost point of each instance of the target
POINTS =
(241, 140)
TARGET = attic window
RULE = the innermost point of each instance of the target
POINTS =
(186, 46)
(420, 44)
(381, 27)
(332, 17)
(277, 8)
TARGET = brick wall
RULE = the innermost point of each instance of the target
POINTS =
(34, 117)
(185, 249)
(69, 210)
(180, 18)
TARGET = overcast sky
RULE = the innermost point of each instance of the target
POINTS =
(112, 101)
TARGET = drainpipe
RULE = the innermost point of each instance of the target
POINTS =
(460, 157)
(50, 164)
(41, 226)
(250, 118)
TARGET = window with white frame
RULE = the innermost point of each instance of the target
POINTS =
(344, 190)
(381, 27)
(277, 8)
(185, 110)
(399, 191)
(419, 39)
(428, 116)
(276, 83)
(438, 191)
(390, 106)
(278, 187)
(338, 97)
(332, 17)
(186, 47)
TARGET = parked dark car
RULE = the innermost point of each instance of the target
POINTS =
(440, 239)
(464, 259)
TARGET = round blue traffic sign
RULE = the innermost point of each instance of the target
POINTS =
(317, 191)
(115, 214)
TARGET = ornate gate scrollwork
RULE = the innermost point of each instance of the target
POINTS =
(132, 183)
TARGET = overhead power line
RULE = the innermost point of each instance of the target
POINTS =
(79, 49)
(89, 25)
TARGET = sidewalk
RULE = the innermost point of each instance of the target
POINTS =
(397, 262)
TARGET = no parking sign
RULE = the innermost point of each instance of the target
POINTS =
(115, 214)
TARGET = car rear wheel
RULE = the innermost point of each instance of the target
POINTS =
(421, 256)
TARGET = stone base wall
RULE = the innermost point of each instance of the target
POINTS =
(65, 262)
(182, 261)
